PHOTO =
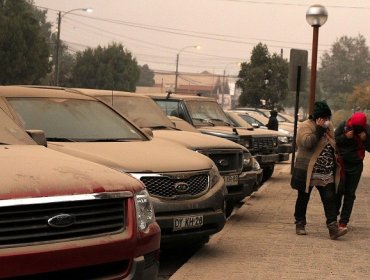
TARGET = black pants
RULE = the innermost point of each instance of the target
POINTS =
(328, 198)
(347, 191)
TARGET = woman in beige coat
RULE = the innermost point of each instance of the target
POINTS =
(316, 166)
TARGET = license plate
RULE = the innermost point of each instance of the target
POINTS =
(185, 222)
(231, 180)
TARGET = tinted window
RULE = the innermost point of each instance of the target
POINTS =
(73, 119)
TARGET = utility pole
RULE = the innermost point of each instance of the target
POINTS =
(57, 51)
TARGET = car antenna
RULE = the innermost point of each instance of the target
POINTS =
(168, 94)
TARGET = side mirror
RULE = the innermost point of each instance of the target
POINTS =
(147, 131)
(38, 136)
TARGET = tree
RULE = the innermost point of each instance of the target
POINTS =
(110, 67)
(346, 65)
(360, 97)
(146, 76)
(24, 51)
(265, 78)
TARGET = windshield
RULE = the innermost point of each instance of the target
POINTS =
(251, 120)
(207, 113)
(144, 112)
(240, 120)
(11, 133)
(73, 119)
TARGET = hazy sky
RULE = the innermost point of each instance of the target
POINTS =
(154, 31)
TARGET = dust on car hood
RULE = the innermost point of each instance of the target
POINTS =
(197, 141)
(154, 156)
(237, 131)
(35, 171)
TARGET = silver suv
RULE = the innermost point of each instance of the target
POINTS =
(241, 171)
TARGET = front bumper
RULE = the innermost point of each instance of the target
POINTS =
(246, 186)
(269, 159)
(210, 206)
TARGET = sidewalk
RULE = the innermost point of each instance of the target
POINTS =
(259, 240)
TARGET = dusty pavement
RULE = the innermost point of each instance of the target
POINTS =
(259, 240)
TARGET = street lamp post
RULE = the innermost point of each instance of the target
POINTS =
(60, 15)
(223, 83)
(177, 63)
(316, 16)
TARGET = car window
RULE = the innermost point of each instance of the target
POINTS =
(142, 111)
(208, 110)
(73, 119)
(251, 120)
(11, 133)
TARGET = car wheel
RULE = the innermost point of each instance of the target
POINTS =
(267, 172)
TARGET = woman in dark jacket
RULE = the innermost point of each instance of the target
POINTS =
(315, 166)
(352, 139)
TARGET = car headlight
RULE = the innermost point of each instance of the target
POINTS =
(144, 210)
(283, 139)
(255, 164)
(245, 142)
(214, 176)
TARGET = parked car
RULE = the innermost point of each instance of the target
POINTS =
(284, 146)
(241, 172)
(206, 114)
(185, 187)
(285, 123)
(66, 218)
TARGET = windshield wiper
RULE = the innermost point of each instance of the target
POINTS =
(161, 127)
(108, 140)
(219, 120)
(60, 139)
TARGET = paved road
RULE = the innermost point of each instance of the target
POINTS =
(259, 240)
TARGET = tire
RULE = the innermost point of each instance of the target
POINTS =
(229, 208)
(267, 172)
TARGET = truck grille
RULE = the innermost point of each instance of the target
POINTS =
(226, 161)
(44, 222)
(263, 143)
(171, 187)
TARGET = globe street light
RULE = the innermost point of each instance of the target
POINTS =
(316, 16)
(60, 15)
(177, 63)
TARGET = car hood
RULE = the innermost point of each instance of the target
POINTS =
(154, 156)
(196, 141)
(35, 171)
(235, 131)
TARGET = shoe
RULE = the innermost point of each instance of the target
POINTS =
(335, 231)
(300, 228)
(343, 226)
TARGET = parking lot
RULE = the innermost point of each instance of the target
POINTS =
(259, 240)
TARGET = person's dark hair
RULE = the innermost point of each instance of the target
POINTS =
(273, 113)
(321, 110)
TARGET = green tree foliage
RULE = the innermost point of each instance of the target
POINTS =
(110, 67)
(346, 65)
(24, 51)
(146, 76)
(265, 77)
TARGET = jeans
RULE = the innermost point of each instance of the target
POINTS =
(347, 191)
(329, 200)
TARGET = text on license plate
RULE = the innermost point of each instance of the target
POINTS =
(185, 222)
(231, 180)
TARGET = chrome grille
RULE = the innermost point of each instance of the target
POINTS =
(263, 143)
(165, 186)
(26, 223)
(226, 161)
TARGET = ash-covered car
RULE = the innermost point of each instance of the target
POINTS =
(67, 218)
(238, 119)
(241, 172)
(185, 187)
(206, 114)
